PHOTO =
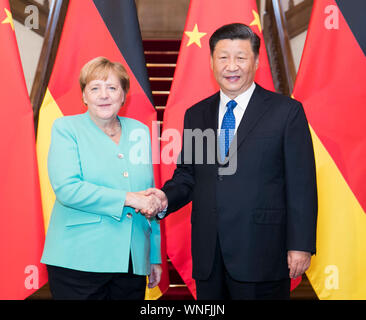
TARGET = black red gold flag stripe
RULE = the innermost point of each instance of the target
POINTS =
(331, 84)
(354, 13)
(125, 30)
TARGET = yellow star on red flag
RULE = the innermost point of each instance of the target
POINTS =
(8, 19)
(256, 21)
(195, 36)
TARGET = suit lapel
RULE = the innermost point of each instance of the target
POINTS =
(211, 117)
(256, 108)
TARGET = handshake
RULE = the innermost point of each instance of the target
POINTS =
(149, 202)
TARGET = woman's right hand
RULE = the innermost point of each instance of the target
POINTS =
(144, 204)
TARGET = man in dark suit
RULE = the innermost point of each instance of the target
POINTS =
(254, 227)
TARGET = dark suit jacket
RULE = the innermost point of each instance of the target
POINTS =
(267, 206)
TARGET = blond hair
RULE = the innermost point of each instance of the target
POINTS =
(99, 69)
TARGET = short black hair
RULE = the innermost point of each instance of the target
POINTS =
(235, 31)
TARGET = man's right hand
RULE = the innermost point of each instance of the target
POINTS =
(147, 205)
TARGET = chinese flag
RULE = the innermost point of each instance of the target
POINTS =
(194, 81)
(97, 28)
(21, 227)
(331, 84)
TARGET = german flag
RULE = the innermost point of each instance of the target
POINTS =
(194, 81)
(331, 84)
(21, 227)
(95, 28)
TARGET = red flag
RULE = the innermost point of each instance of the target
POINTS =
(21, 227)
(97, 28)
(331, 84)
(194, 81)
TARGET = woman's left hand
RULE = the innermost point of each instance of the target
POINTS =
(155, 275)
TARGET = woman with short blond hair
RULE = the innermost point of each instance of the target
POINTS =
(98, 246)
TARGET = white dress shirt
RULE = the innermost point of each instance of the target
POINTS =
(242, 100)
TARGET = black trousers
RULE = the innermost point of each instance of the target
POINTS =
(68, 284)
(221, 286)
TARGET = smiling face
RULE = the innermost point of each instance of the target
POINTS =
(104, 98)
(234, 65)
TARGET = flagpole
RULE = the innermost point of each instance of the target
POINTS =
(47, 57)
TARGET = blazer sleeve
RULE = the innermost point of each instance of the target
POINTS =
(179, 188)
(66, 178)
(300, 175)
(155, 237)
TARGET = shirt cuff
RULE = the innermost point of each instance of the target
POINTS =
(162, 214)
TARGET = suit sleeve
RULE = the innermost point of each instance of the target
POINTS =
(301, 190)
(66, 178)
(179, 188)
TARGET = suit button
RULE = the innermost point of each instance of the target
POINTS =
(220, 178)
(120, 155)
(129, 215)
(125, 174)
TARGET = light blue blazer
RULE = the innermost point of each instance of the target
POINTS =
(90, 228)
